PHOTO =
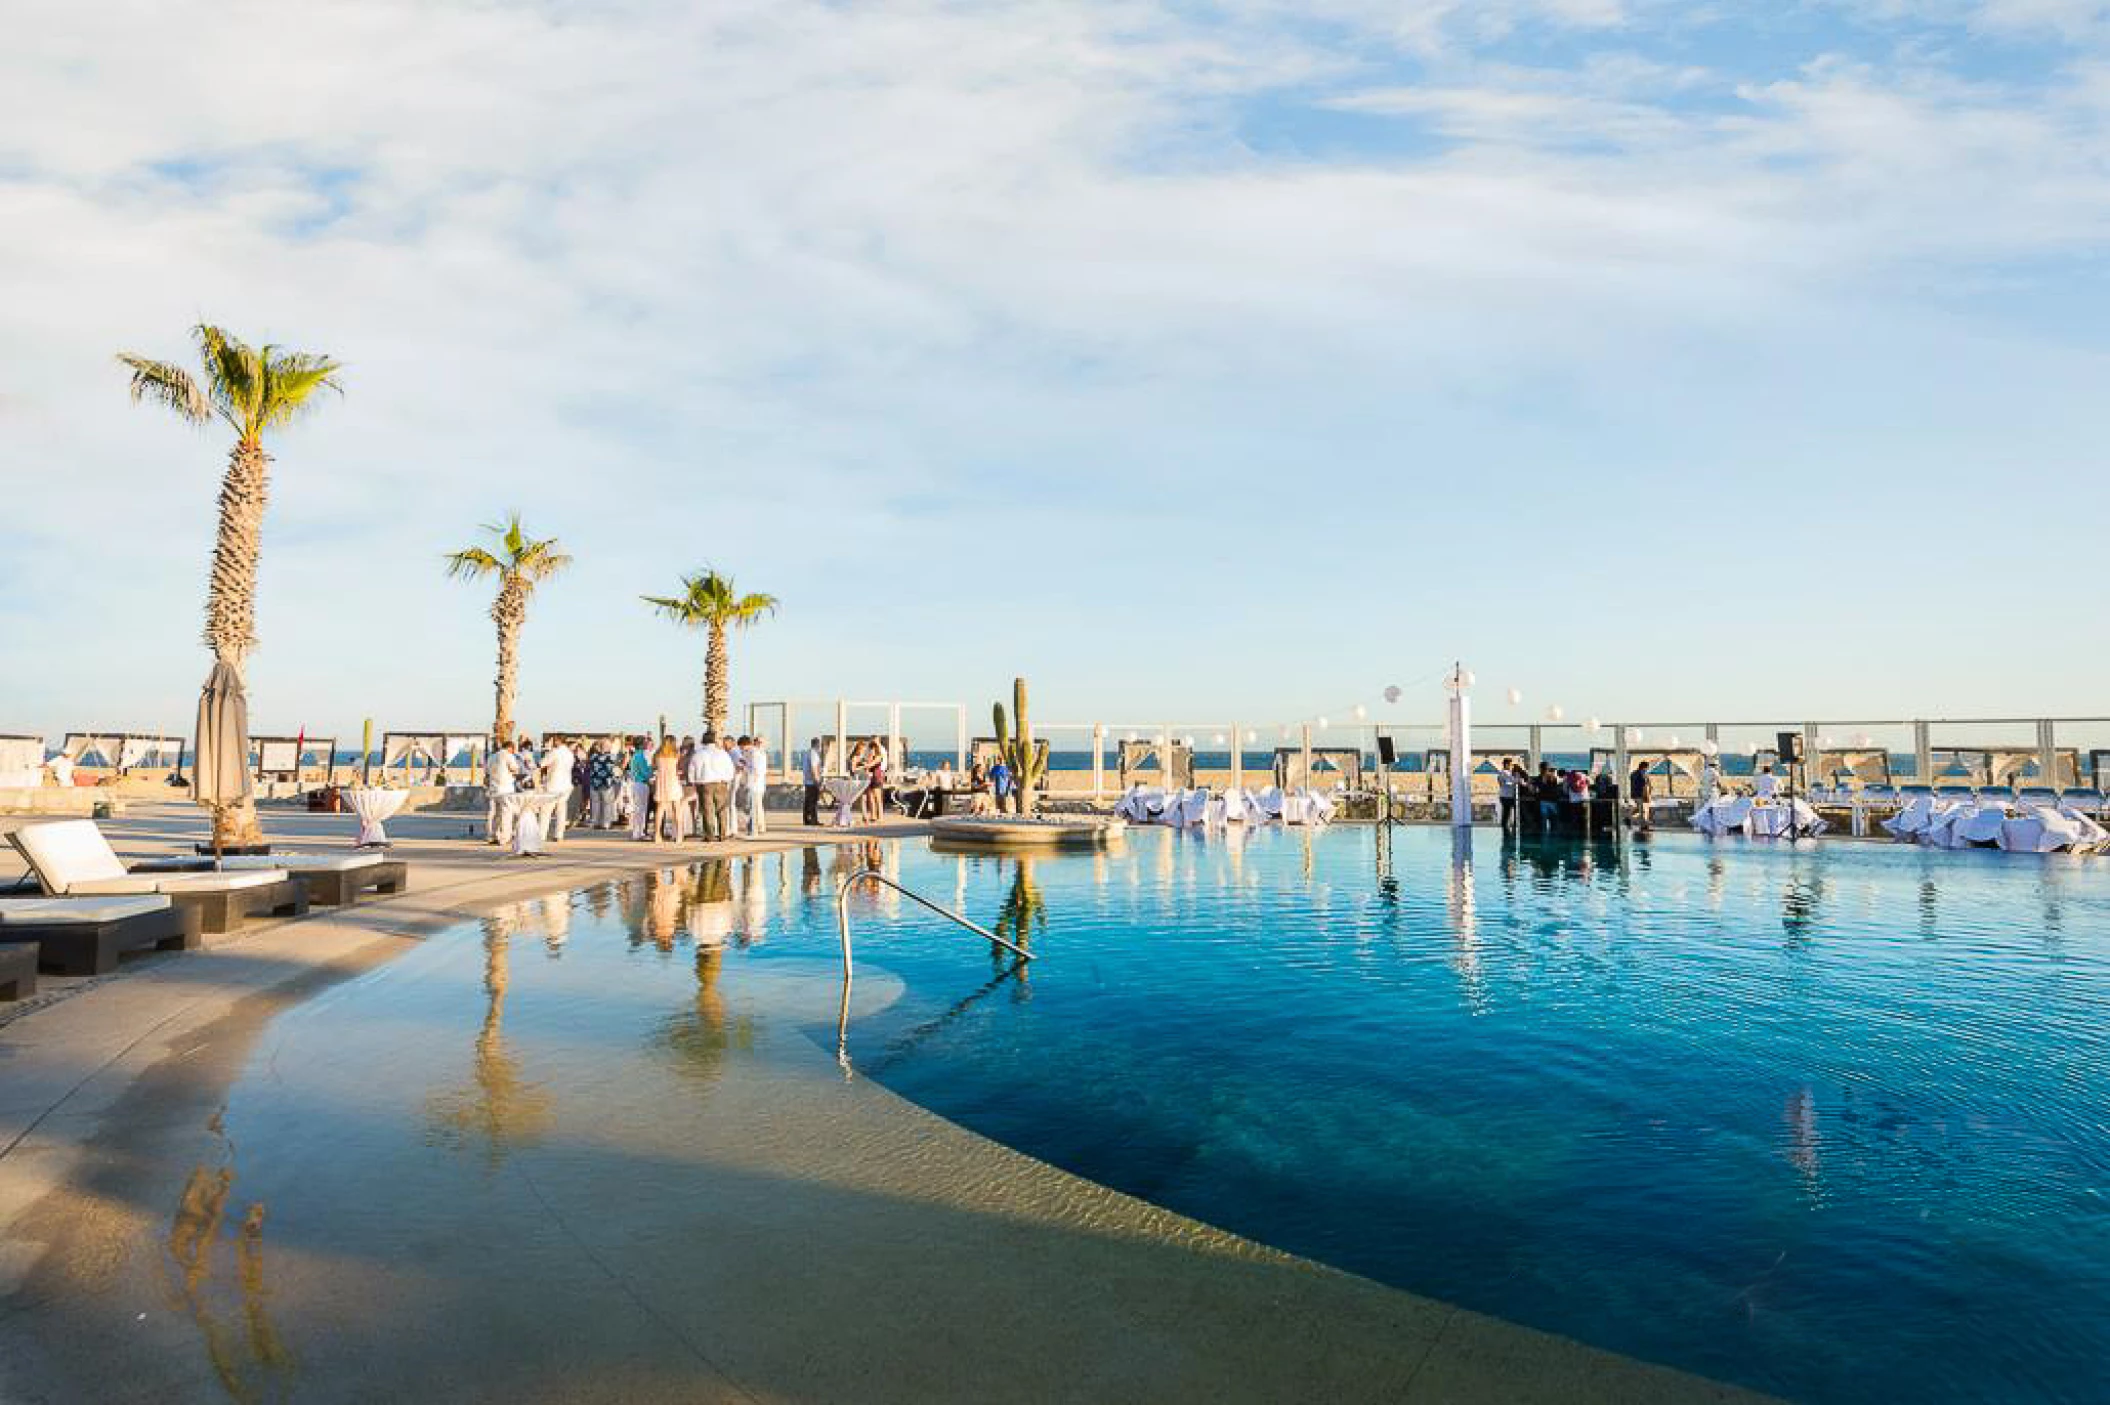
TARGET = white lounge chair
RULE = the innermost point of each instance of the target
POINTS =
(331, 879)
(70, 858)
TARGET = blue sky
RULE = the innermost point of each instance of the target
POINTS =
(1192, 359)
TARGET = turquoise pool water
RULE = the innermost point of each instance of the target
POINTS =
(1829, 1121)
(1833, 1122)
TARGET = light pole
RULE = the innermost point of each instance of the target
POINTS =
(1459, 685)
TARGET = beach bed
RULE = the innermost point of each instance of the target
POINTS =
(333, 880)
(18, 972)
(70, 858)
(86, 936)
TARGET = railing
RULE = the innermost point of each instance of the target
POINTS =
(842, 927)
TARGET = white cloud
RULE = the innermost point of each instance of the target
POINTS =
(802, 288)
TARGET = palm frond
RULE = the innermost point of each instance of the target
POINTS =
(710, 598)
(679, 608)
(231, 375)
(291, 383)
(470, 563)
(169, 386)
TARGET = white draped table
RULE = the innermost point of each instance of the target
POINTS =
(1758, 820)
(844, 790)
(532, 812)
(374, 805)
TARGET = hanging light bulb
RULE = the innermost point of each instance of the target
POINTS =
(1322, 724)
(1219, 740)
(1252, 736)
(1556, 712)
(1516, 695)
(1634, 736)
(1361, 712)
(1593, 725)
(1671, 740)
(1187, 742)
(1710, 748)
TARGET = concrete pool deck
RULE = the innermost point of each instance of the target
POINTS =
(851, 1247)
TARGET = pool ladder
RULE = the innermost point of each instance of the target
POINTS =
(842, 927)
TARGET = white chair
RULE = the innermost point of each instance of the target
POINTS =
(70, 858)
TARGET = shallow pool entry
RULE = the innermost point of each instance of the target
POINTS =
(1832, 1122)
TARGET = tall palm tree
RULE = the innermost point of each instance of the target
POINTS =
(521, 563)
(252, 389)
(709, 601)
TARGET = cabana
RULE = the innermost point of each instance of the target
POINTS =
(434, 751)
(2001, 766)
(1175, 763)
(1685, 762)
(121, 751)
(21, 762)
(1862, 765)
(281, 758)
(1330, 765)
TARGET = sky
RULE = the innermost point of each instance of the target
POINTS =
(1194, 360)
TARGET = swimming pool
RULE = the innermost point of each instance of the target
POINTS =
(1831, 1121)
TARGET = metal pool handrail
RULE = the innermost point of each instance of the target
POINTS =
(842, 926)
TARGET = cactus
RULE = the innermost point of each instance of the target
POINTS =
(1019, 753)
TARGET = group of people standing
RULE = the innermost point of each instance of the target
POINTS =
(708, 786)
(1552, 789)
(982, 790)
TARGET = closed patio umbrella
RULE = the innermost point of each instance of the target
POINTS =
(220, 770)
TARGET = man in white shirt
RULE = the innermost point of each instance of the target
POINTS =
(1767, 785)
(756, 774)
(501, 779)
(714, 772)
(557, 761)
(810, 774)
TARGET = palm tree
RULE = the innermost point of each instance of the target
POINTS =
(521, 563)
(709, 601)
(252, 389)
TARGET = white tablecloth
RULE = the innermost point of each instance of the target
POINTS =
(844, 790)
(532, 812)
(1738, 812)
(373, 805)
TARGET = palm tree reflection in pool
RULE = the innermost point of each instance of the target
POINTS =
(499, 1109)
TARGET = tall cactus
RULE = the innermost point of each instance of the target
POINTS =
(1019, 753)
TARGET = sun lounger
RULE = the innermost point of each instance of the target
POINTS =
(85, 936)
(70, 858)
(18, 972)
(331, 879)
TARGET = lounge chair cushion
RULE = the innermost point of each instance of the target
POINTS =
(180, 882)
(68, 852)
(53, 910)
(300, 863)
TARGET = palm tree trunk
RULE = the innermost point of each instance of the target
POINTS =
(508, 612)
(716, 702)
(230, 599)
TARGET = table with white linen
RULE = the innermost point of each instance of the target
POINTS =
(532, 812)
(374, 805)
(1758, 820)
(844, 790)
